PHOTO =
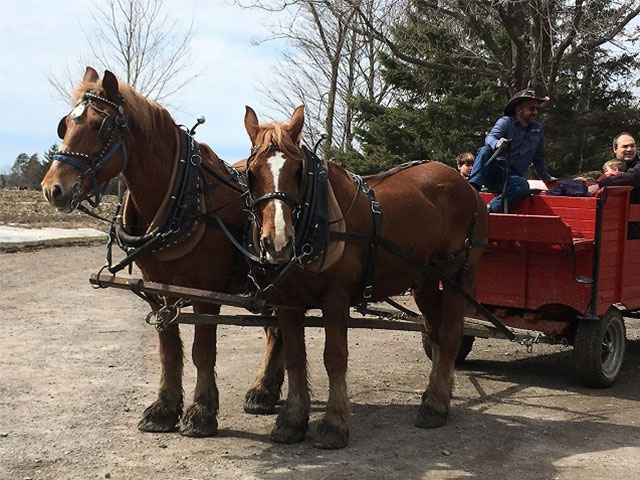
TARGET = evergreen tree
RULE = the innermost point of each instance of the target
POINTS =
(48, 157)
(446, 97)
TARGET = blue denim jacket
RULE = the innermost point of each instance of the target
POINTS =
(526, 146)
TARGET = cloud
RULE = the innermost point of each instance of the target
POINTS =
(42, 36)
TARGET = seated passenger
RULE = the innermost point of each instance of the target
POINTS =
(524, 135)
(464, 162)
(612, 167)
(624, 148)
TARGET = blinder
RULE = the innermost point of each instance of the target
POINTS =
(62, 127)
(106, 128)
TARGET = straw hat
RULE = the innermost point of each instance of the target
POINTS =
(523, 96)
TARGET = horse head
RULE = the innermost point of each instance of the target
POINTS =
(275, 171)
(93, 146)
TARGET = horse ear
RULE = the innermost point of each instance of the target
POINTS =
(251, 123)
(296, 123)
(110, 84)
(90, 75)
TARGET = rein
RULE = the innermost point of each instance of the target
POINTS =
(100, 158)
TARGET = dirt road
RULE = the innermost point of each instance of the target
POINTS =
(78, 366)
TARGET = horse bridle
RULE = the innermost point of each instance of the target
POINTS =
(109, 146)
(289, 200)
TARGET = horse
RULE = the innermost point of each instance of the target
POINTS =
(113, 129)
(432, 226)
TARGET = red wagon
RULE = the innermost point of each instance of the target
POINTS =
(563, 267)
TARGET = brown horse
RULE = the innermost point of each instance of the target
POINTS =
(139, 137)
(429, 212)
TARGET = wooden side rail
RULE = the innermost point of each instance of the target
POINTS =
(548, 229)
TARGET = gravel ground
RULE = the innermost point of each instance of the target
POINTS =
(78, 366)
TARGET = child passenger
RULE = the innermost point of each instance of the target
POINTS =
(464, 161)
(613, 167)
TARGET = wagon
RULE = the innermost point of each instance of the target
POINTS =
(563, 269)
(556, 270)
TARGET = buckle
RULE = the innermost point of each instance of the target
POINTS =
(368, 290)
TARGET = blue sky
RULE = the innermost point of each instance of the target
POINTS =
(40, 36)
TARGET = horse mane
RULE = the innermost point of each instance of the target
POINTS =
(146, 114)
(276, 133)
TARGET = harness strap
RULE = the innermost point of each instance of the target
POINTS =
(387, 172)
(413, 259)
(426, 267)
(376, 215)
(233, 174)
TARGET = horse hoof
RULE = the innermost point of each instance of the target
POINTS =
(199, 421)
(288, 432)
(429, 417)
(158, 418)
(260, 402)
(330, 436)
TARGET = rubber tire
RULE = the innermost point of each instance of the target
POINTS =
(465, 347)
(598, 349)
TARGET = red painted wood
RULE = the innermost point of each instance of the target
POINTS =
(544, 243)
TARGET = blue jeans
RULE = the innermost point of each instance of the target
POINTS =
(492, 177)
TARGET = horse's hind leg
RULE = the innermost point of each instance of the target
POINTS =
(163, 414)
(333, 430)
(292, 423)
(199, 419)
(444, 311)
(264, 393)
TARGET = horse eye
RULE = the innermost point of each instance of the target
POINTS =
(96, 125)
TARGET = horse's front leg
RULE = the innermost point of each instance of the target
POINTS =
(163, 414)
(292, 423)
(264, 393)
(333, 430)
(199, 419)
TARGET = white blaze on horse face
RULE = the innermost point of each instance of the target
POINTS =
(276, 162)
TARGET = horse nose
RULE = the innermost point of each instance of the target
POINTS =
(56, 192)
(267, 244)
(279, 251)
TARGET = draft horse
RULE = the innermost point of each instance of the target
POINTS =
(432, 225)
(112, 129)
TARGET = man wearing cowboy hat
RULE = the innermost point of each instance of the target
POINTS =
(519, 132)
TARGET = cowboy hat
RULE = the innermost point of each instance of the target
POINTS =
(523, 96)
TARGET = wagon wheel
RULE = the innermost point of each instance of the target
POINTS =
(463, 351)
(598, 350)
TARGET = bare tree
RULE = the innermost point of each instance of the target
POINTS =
(527, 43)
(139, 43)
(329, 58)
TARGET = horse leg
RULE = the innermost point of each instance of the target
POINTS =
(199, 419)
(264, 393)
(447, 309)
(163, 414)
(292, 423)
(333, 430)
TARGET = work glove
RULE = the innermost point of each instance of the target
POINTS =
(503, 142)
